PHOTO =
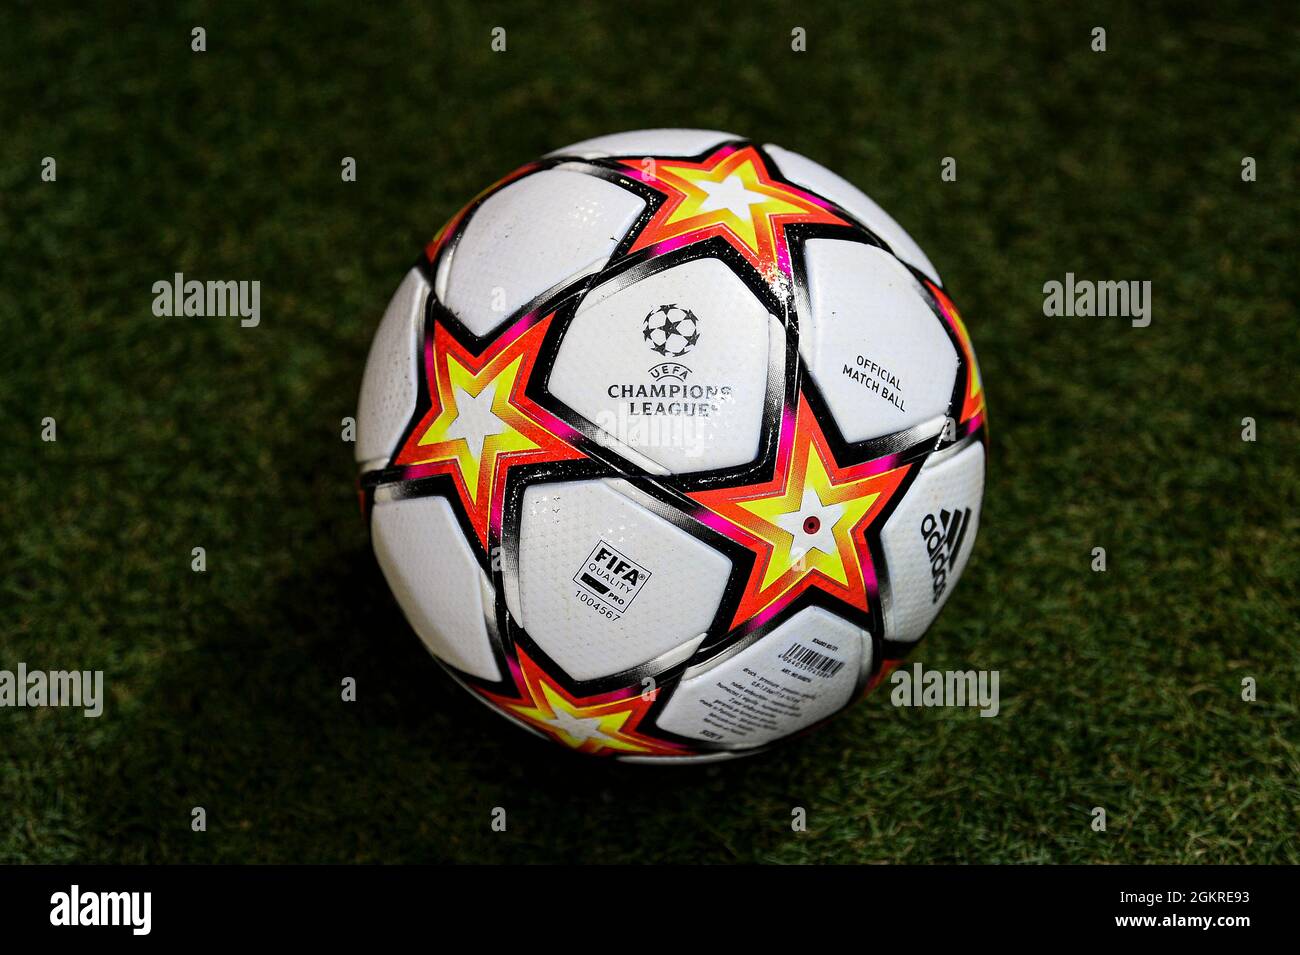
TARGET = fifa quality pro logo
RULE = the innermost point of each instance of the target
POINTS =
(609, 580)
(943, 536)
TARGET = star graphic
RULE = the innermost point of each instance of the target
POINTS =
(476, 421)
(807, 524)
(812, 525)
(604, 724)
(730, 194)
(480, 422)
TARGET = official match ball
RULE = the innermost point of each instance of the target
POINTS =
(671, 445)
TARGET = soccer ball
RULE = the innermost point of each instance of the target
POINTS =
(671, 445)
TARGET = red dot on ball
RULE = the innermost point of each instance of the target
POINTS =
(812, 525)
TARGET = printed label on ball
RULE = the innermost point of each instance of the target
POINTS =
(670, 331)
(943, 536)
(876, 380)
(808, 660)
(674, 366)
(772, 689)
(612, 578)
(765, 700)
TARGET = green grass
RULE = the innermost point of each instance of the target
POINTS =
(1119, 689)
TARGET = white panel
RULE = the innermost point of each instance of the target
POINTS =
(388, 387)
(648, 142)
(545, 229)
(874, 346)
(649, 587)
(801, 672)
(928, 540)
(804, 172)
(436, 580)
(689, 404)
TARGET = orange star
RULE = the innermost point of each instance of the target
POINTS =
(603, 724)
(807, 524)
(481, 423)
(730, 194)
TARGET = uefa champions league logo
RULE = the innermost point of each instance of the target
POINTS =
(672, 331)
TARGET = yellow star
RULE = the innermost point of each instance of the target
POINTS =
(480, 422)
(574, 726)
(730, 195)
(603, 724)
(818, 536)
(474, 425)
(807, 523)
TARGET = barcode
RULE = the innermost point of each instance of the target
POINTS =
(808, 659)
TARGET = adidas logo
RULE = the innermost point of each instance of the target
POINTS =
(943, 536)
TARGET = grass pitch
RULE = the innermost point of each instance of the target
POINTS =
(1119, 689)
